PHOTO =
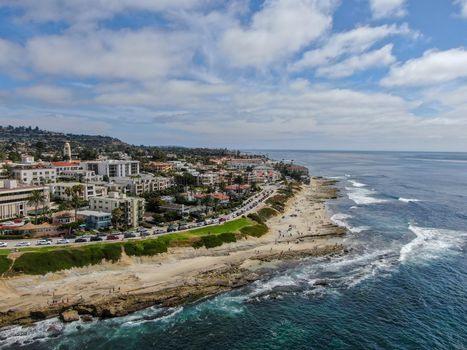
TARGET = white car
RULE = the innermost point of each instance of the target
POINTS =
(63, 241)
(3, 244)
(23, 244)
(43, 242)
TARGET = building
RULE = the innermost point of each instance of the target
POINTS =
(27, 159)
(65, 166)
(160, 166)
(244, 163)
(112, 167)
(67, 151)
(63, 218)
(143, 183)
(132, 207)
(35, 175)
(95, 220)
(207, 179)
(58, 190)
(14, 199)
(31, 230)
(80, 175)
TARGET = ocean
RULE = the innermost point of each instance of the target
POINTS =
(402, 286)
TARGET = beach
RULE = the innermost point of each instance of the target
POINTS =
(181, 275)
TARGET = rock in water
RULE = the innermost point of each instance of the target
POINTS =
(69, 315)
(86, 318)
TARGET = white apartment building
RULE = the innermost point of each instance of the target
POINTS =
(80, 175)
(112, 167)
(14, 199)
(58, 190)
(35, 176)
(143, 183)
(208, 179)
(132, 207)
(65, 166)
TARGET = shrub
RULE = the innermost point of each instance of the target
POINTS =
(266, 213)
(4, 264)
(255, 231)
(212, 241)
(146, 248)
(42, 262)
(255, 217)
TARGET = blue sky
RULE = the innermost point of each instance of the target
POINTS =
(294, 74)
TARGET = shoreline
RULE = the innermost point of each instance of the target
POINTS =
(179, 276)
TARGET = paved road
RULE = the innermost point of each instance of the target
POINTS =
(248, 206)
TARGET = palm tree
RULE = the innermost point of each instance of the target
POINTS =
(37, 198)
(74, 192)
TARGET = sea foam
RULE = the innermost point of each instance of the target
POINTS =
(408, 200)
(431, 243)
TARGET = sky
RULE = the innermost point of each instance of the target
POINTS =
(272, 74)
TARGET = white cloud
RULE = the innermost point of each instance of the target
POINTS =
(88, 11)
(463, 7)
(46, 93)
(433, 67)
(279, 29)
(355, 41)
(388, 8)
(378, 58)
(133, 55)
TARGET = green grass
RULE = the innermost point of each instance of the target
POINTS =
(255, 230)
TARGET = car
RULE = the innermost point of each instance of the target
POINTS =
(144, 233)
(129, 235)
(96, 239)
(112, 237)
(23, 244)
(81, 240)
(3, 244)
(63, 241)
(43, 242)
(158, 232)
(183, 227)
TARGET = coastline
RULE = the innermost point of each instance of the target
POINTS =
(182, 275)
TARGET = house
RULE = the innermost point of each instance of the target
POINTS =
(41, 230)
(160, 166)
(63, 218)
(238, 189)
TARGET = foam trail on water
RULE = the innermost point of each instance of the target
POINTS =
(408, 200)
(431, 243)
(363, 196)
(340, 220)
(357, 184)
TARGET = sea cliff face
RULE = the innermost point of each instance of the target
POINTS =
(301, 229)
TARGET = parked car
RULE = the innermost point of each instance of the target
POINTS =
(129, 235)
(172, 228)
(80, 240)
(63, 241)
(144, 233)
(23, 244)
(3, 244)
(112, 237)
(43, 242)
(183, 227)
(158, 232)
(96, 239)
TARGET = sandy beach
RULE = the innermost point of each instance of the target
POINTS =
(180, 275)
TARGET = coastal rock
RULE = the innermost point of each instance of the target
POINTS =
(38, 315)
(321, 282)
(87, 318)
(69, 315)
(85, 310)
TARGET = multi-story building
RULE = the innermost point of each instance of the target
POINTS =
(14, 199)
(35, 175)
(80, 175)
(244, 163)
(132, 207)
(112, 167)
(160, 166)
(143, 183)
(95, 220)
(65, 166)
(59, 190)
(207, 179)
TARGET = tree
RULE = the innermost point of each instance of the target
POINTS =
(74, 193)
(8, 172)
(37, 198)
(117, 216)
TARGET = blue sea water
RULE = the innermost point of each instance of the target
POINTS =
(402, 286)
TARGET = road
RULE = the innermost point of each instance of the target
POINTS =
(248, 206)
